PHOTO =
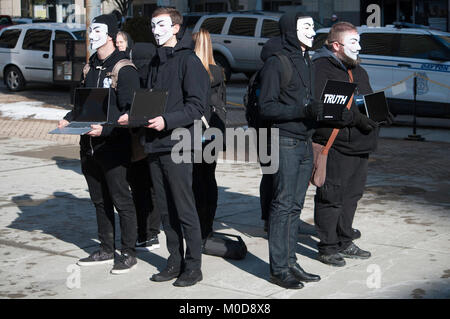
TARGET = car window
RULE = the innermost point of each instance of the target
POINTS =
(8, 39)
(377, 43)
(270, 29)
(214, 25)
(243, 26)
(62, 35)
(80, 35)
(319, 40)
(38, 40)
(417, 46)
(5, 21)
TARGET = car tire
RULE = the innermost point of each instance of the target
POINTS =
(222, 62)
(14, 79)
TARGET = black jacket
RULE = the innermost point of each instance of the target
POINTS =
(112, 139)
(181, 72)
(285, 109)
(350, 140)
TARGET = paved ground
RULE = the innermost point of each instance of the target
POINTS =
(47, 222)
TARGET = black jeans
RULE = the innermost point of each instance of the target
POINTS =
(105, 175)
(290, 184)
(265, 195)
(206, 194)
(336, 201)
(175, 201)
(148, 217)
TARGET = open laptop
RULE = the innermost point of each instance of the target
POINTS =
(147, 104)
(335, 97)
(376, 107)
(91, 106)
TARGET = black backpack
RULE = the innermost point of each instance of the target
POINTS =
(223, 245)
(253, 88)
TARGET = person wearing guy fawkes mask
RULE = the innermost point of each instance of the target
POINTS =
(295, 113)
(176, 68)
(105, 151)
(337, 199)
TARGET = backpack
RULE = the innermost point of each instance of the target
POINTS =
(253, 88)
(114, 74)
(222, 245)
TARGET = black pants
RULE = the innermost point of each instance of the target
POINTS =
(175, 201)
(148, 217)
(336, 201)
(206, 194)
(108, 187)
(265, 195)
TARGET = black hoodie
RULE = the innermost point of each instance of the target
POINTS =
(111, 139)
(181, 72)
(350, 140)
(285, 109)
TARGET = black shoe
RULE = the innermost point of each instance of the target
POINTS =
(189, 278)
(123, 264)
(332, 260)
(286, 280)
(151, 244)
(356, 233)
(302, 275)
(97, 258)
(354, 251)
(167, 274)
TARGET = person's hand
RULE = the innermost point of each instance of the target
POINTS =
(364, 124)
(62, 124)
(390, 119)
(123, 120)
(96, 130)
(157, 123)
(314, 110)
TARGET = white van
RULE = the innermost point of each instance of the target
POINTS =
(391, 54)
(26, 51)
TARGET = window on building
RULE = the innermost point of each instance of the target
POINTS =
(243, 27)
(377, 43)
(270, 29)
(417, 46)
(9, 38)
(38, 40)
(214, 25)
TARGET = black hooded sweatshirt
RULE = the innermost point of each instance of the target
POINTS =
(350, 140)
(181, 72)
(111, 139)
(285, 109)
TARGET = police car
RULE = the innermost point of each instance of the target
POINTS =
(392, 55)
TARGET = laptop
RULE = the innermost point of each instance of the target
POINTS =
(147, 104)
(335, 97)
(376, 107)
(91, 106)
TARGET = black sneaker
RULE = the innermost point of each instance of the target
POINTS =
(335, 260)
(151, 244)
(167, 274)
(356, 234)
(354, 251)
(123, 263)
(98, 257)
(189, 278)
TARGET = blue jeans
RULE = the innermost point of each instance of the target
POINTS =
(290, 184)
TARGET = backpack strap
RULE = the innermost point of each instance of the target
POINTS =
(286, 69)
(114, 74)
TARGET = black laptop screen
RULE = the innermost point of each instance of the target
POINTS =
(376, 106)
(91, 105)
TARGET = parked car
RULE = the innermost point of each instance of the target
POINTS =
(238, 38)
(26, 51)
(5, 21)
(391, 54)
(29, 20)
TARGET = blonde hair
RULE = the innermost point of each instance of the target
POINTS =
(203, 49)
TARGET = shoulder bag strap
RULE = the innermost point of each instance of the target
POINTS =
(335, 131)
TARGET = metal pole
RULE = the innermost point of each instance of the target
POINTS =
(414, 136)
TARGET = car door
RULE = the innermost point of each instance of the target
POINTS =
(268, 28)
(416, 54)
(241, 42)
(37, 53)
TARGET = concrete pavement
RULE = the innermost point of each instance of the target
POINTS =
(47, 222)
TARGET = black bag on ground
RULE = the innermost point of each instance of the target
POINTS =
(221, 245)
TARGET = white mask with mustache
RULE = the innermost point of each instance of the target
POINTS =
(162, 29)
(305, 31)
(98, 35)
(351, 45)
